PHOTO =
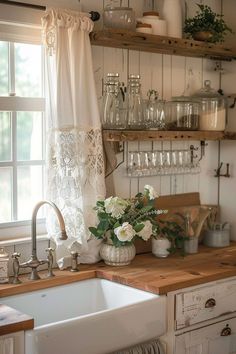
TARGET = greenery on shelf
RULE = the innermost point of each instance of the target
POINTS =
(209, 22)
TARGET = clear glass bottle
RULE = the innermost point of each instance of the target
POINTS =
(4, 266)
(154, 112)
(135, 103)
(114, 110)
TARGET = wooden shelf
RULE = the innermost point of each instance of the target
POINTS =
(160, 44)
(151, 135)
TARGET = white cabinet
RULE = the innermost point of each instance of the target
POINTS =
(219, 338)
(12, 343)
(202, 319)
(205, 303)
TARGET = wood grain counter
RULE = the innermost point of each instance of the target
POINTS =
(12, 320)
(157, 275)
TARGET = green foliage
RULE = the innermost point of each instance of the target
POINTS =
(175, 234)
(207, 21)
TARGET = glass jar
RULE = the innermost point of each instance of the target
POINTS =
(182, 113)
(135, 103)
(4, 265)
(213, 108)
(119, 17)
(154, 112)
(114, 110)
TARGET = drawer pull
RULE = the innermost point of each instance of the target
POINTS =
(210, 303)
(226, 331)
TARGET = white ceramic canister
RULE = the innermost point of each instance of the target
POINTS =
(172, 13)
(160, 247)
(158, 25)
(144, 28)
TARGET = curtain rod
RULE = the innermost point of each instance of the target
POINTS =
(94, 15)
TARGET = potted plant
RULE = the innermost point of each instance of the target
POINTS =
(121, 221)
(169, 239)
(206, 25)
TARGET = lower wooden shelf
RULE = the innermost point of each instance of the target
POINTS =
(151, 135)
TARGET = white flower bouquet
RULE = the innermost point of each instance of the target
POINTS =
(125, 220)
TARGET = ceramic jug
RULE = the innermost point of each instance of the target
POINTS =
(172, 13)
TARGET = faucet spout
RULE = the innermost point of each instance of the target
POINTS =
(33, 226)
(34, 262)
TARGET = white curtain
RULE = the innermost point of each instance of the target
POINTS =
(75, 168)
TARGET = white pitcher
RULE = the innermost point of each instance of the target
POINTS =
(172, 13)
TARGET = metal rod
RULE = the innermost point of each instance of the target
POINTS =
(94, 15)
(23, 4)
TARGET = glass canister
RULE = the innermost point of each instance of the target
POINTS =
(4, 264)
(114, 110)
(119, 17)
(135, 103)
(182, 113)
(213, 108)
(154, 114)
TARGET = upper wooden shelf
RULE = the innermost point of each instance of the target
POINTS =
(160, 44)
(165, 135)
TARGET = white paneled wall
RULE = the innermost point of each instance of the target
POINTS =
(169, 75)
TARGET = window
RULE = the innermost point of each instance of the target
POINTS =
(21, 131)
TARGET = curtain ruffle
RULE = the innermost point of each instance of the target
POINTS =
(54, 19)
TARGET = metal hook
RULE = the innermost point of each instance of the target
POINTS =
(218, 174)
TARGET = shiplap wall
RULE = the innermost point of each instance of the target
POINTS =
(169, 75)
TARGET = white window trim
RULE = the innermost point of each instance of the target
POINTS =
(14, 26)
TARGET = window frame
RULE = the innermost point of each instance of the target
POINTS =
(14, 104)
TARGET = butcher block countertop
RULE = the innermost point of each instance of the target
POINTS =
(146, 272)
(12, 320)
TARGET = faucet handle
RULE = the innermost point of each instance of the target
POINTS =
(50, 251)
(74, 263)
(16, 268)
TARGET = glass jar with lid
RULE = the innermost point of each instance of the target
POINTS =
(135, 103)
(114, 110)
(213, 108)
(182, 113)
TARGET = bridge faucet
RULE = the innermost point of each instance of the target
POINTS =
(34, 262)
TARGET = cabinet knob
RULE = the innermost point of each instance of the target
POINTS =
(226, 331)
(210, 303)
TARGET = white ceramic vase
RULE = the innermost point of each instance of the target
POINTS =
(117, 256)
(160, 247)
(172, 13)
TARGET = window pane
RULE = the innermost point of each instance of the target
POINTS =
(5, 136)
(6, 194)
(29, 136)
(30, 190)
(4, 80)
(28, 74)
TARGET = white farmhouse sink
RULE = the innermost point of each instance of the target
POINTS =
(92, 316)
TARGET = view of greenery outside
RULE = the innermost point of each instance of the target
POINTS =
(28, 127)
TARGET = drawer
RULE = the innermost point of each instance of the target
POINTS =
(205, 303)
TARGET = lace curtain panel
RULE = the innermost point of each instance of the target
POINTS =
(75, 167)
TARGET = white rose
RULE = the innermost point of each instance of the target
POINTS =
(125, 232)
(115, 206)
(146, 232)
(151, 191)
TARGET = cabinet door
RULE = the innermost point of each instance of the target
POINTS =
(12, 343)
(219, 338)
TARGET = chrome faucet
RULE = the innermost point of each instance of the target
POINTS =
(34, 262)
